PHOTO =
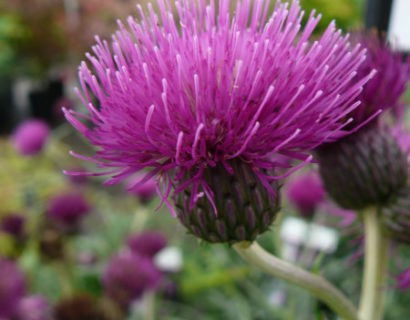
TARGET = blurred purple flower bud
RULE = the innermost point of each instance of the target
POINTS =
(403, 280)
(13, 224)
(30, 137)
(147, 244)
(128, 276)
(67, 210)
(305, 192)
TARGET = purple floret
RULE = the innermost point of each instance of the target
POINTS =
(179, 94)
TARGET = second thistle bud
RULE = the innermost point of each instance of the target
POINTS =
(364, 169)
(245, 208)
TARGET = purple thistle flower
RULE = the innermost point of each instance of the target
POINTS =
(147, 244)
(305, 192)
(128, 276)
(384, 90)
(403, 280)
(368, 168)
(68, 209)
(30, 137)
(33, 308)
(179, 95)
(13, 224)
(12, 288)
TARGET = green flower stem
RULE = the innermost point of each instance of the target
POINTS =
(316, 285)
(64, 277)
(375, 265)
(149, 301)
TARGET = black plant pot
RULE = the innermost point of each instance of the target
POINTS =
(43, 100)
(8, 113)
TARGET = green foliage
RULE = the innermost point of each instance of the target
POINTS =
(346, 13)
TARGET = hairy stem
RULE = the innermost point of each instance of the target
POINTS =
(316, 285)
(375, 265)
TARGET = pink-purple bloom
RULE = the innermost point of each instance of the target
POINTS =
(403, 280)
(30, 137)
(128, 276)
(385, 89)
(147, 244)
(305, 192)
(12, 287)
(180, 94)
(68, 209)
(33, 308)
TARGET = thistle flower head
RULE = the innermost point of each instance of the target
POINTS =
(12, 288)
(305, 192)
(369, 167)
(128, 276)
(384, 90)
(30, 137)
(180, 94)
(147, 244)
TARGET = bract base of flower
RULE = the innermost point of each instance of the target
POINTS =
(245, 207)
(365, 169)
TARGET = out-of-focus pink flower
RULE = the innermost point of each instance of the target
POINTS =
(30, 137)
(68, 209)
(128, 276)
(403, 280)
(305, 192)
(33, 308)
(12, 288)
(148, 243)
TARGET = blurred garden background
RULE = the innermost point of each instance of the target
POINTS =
(65, 241)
